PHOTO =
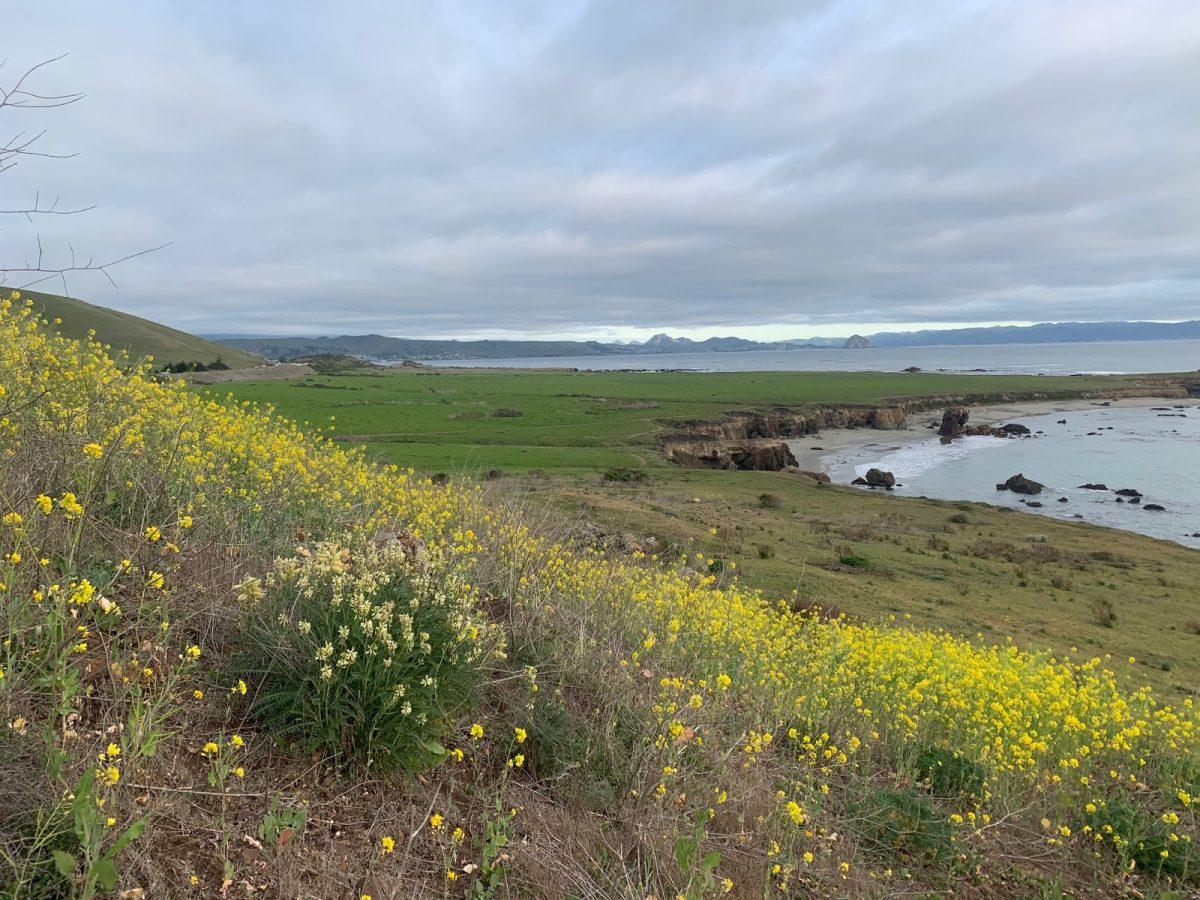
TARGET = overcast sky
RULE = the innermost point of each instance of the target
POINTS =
(561, 168)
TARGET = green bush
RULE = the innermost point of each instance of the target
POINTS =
(1140, 838)
(363, 656)
(949, 774)
(903, 822)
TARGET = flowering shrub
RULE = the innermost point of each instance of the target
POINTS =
(363, 654)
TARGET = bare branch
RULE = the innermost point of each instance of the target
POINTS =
(39, 210)
(18, 96)
(49, 272)
(21, 95)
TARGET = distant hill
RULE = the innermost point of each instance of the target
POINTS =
(139, 337)
(381, 347)
(1044, 333)
(377, 346)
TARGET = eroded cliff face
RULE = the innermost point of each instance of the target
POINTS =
(759, 456)
(789, 423)
(753, 440)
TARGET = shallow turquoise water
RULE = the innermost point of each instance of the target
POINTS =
(1155, 451)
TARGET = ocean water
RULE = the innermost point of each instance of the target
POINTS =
(1154, 451)
(1039, 359)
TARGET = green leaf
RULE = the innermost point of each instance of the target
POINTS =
(711, 861)
(83, 809)
(435, 753)
(105, 874)
(65, 863)
(150, 744)
(684, 849)
(132, 833)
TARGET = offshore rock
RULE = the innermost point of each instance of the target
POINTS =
(1019, 484)
(880, 478)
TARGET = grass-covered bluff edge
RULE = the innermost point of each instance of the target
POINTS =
(507, 713)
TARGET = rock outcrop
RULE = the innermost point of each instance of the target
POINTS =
(954, 421)
(760, 456)
(1019, 484)
(880, 478)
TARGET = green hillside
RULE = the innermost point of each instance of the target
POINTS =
(139, 337)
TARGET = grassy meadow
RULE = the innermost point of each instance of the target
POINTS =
(452, 420)
(969, 568)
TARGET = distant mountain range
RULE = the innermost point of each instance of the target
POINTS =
(380, 347)
(1045, 333)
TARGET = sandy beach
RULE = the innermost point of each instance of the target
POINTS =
(817, 452)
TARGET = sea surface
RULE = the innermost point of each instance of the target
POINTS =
(1152, 450)
(1040, 359)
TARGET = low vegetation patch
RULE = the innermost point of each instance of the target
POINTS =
(623, 475)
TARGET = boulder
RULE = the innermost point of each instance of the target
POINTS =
(880, 478)
(1154, 507)
(1062, 500)
(1014, 428)
(859, 480)
(1128, 492)
(954, 421)
(1019, 484)
(1093, 487)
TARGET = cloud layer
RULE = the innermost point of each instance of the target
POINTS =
(573, 168)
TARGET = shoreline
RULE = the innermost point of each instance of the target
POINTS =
(815, 452)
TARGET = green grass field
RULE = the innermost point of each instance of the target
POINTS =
(446, 420)
(969, 568)
(139, 337)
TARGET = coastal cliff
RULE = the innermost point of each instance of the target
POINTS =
(756, 439)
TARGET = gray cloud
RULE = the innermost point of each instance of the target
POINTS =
(430, 169)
